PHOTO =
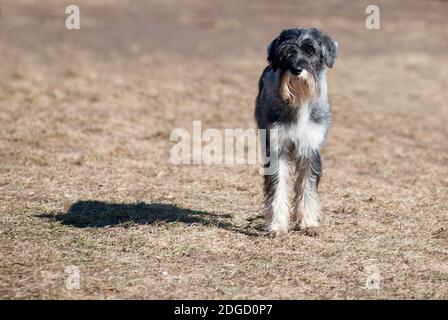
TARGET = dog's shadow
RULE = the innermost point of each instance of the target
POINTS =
(98, 214)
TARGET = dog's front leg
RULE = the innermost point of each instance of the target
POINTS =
(306, 200)
(276, 191)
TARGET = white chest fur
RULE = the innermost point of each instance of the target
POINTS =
(306, 134)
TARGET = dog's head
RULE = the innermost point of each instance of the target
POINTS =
(300, 55)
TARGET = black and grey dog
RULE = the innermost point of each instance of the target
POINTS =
(293, 106)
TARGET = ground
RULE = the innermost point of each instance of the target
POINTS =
(85, 177)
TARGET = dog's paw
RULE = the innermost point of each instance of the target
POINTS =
(310, 231)
(276, 233)
(276, 230)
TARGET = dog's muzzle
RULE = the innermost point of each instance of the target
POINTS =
(297, 85)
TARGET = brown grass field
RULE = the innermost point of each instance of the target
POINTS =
(85, 177)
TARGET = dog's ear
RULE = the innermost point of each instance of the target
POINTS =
(271, 51)
(329, 49)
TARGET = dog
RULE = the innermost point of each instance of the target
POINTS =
(293, 107)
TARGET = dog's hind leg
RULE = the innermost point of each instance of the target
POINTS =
(306, 200)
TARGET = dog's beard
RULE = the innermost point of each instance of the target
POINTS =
(296, 90)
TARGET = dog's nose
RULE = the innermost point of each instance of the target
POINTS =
(296, 71)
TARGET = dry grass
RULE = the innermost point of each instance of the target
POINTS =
(85, 177)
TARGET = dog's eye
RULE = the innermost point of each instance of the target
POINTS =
(308, 48)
